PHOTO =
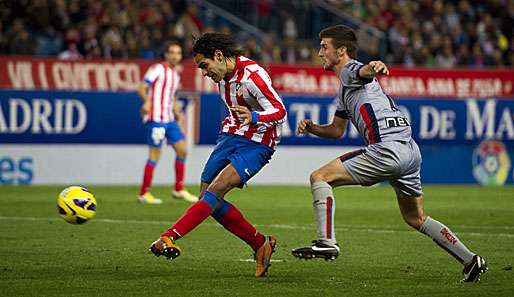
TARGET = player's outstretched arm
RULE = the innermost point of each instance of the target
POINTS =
(373, 69)
(333, 130)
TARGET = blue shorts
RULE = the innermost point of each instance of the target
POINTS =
(156, 132)
(247, 157)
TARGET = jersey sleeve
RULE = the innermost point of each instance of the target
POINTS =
(259, 85)
(152, 73)
(340, 110)
(350, 77)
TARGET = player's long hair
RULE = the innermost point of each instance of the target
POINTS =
(208, 43)
(341, 36)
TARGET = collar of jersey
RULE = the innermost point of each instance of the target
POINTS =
(234, 71)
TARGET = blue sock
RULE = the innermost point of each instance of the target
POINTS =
(221, 210)
(211, 199)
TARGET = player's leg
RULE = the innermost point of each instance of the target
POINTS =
(359, 167)
(322, 180)
(412, 211)
(411, 202)
(195, 214)
(180, 192)
(155, 135)
(226, 180)
(180, 160)
(233, 220)
(203, 188)
(215, 164)
(247, 161)
(176, 140)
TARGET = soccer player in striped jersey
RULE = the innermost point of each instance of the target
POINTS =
(161, 115)
(390, 155)
(248, 138)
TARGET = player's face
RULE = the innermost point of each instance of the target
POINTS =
(328, 54)
(173, 55)
(214, 68)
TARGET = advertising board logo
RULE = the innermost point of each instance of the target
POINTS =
(16, 170)
(491, 163)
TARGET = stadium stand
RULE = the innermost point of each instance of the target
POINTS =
(442, 34)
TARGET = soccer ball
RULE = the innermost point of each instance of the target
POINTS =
(76, 205)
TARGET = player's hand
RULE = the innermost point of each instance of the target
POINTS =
(145, 109)
(379, 67)
(303, 127)
(243, 113)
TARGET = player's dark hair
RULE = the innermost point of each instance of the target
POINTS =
(171, 43)
(341, 36)
(208, 43)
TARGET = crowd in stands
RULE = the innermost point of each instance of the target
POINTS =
(427, 33)
(441, 33)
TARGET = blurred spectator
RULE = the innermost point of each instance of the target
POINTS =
(438, 33)
(90, 45)
(270, 51)
(71, 53)
(463, 57)
(132, 46)
(225, 29)
(4, 43)
(290, 30)
(190, 23)
(304, 54)
(22, 43)
(252, 50)
(146, 50)
(288, 54)
(48, 42)
(445, 59)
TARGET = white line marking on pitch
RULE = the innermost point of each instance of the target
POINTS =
(348, 228)
(252, 260)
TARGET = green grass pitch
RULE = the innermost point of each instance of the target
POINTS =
(41, 255)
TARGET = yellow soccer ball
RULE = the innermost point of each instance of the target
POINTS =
(76, 205)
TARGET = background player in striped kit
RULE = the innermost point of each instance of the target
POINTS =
(248, 138)
(161, 115)
(391, 154)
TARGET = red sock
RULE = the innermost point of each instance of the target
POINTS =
(196, 214)
(147, 177)
(232, 219)
(179, 174)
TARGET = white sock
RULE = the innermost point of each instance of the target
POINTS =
(445, 238)
(324, 209)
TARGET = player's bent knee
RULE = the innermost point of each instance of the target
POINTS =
(221, 186)
(414, 220)
(317, 176)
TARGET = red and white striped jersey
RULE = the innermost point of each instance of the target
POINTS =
(249, 85)
(164, 82)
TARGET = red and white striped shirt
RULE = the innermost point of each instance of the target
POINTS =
(249, 85)
(164, 81)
